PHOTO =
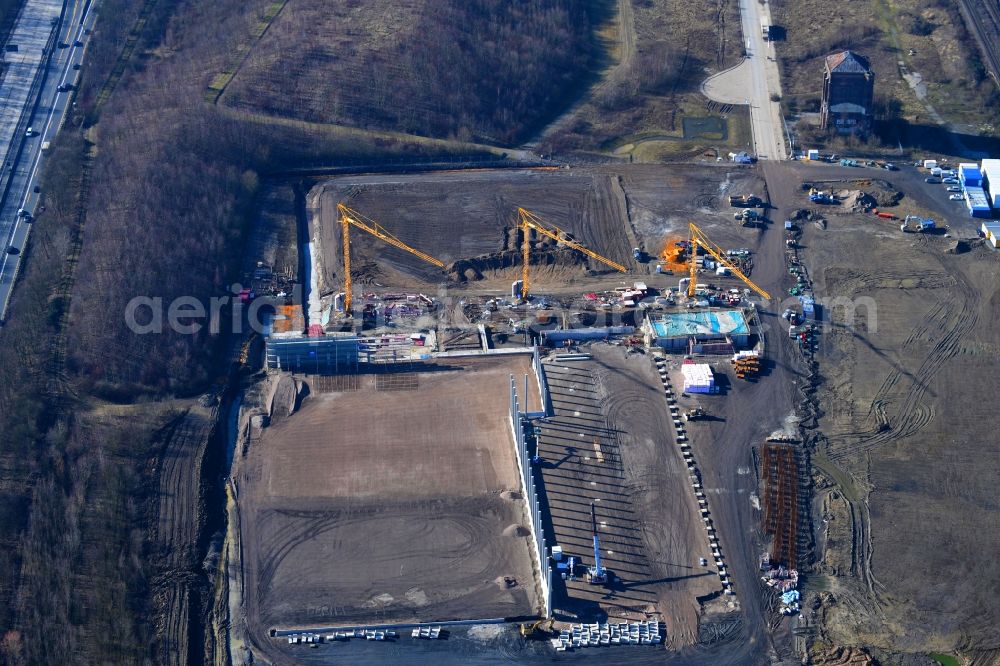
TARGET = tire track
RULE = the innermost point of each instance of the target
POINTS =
(956, 317)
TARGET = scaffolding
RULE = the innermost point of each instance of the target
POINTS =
(780, 472)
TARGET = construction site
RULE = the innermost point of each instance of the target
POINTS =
(517, 404)
(496, 402)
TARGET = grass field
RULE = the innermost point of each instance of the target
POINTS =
(652, 83)
(898, 37)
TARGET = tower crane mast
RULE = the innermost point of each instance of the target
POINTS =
(349, 218)
(699, 239)
(528, 221)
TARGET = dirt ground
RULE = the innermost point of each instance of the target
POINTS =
(904, 452)
(610, 441)
(397, 504)
(470, 218)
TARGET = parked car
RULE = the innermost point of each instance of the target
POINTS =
(953, 188)
(956, 197)
(950, 181)
(932, 180)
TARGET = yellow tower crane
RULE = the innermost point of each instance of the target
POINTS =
(350, 217)
(529, 221)
(698, 238)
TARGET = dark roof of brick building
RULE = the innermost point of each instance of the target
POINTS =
(847, 62)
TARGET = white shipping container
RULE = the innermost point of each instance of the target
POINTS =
(990, 170)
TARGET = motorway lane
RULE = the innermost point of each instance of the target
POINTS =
(46, 121)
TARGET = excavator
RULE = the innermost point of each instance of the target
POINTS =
(349, 218)
(528, 221)
(699, 239)
(542, 626)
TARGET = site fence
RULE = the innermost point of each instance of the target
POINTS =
(519, 422)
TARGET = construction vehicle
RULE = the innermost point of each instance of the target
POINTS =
(916, 225)
(528, 221)
(596, 574)
(747, 217)
(542, 626)
(349, 218)
(699, 239)
(745, 201)
(695, 414)
(819, 196)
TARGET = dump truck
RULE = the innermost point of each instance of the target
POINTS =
(745, 201)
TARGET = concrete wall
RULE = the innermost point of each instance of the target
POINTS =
(518, 422)
(581, 334)
(543, 384)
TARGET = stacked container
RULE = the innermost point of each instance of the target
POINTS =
(990, 170)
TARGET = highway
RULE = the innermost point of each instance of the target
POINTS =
(44, 110)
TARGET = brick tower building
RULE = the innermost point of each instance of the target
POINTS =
(848, 91)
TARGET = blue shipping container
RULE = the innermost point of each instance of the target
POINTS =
(977, 202)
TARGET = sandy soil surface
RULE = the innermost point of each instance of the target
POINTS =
(397, 504)
(464, 216)
(910, 499)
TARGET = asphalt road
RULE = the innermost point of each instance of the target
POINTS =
(765, 115)
(752, 82)
(46, 120)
